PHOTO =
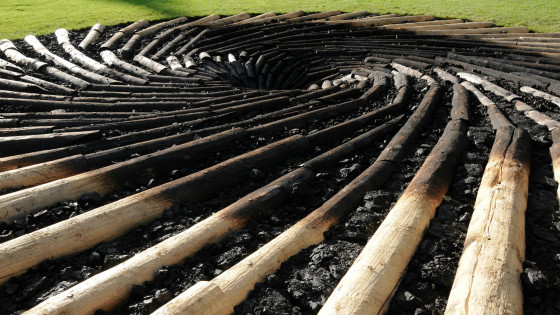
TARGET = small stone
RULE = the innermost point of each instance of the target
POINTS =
(91, 198)
(557, 258)
(163, 295)
(257, 174)
(145, 179)
(534, 279)
(94, 259)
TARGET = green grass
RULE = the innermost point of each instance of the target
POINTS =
(21, 17)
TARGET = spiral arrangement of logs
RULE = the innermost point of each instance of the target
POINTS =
(136, 123)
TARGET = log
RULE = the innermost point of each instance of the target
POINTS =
(380, 21)
(107, 222)
(488, 86)
(232, 286)
(497, 118)
(105, 179)
(43, 172)
(459, 103)
(551, 98)
(537, 116)
(61, 62)
(446, 76)
(10, 50)
(111, 59)
(126, 50)
(372, 279)
(314, 16)
(13, 85)
(63, 39)
(488, 277)
(128, 30)
(105, 290)
(409, 25)
(347, 16)
(102, 291)
(21, 144)
(92, 36)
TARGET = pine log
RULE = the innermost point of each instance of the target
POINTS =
(488, 277)
(233, 285)
(128, 30)
(114, 219)
(92, 36)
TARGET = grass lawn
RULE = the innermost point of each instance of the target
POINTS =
(21, 17)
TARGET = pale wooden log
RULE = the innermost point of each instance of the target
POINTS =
(459, 102)
(236, 282)
(409, 25)
(10, 50)
(19, 131)
(114, 40)
(111, 59)
(150, 64)
(61, 62)
(137, 37)
(13, 85)
(346, 16)
(370, 282)
(255, 18)
(490, 30)
(537, 116)
(462, 25)
(488, 277)
(400, 79)
(314, 16)
(406, 70)
(228, 20)
(107, 222)
(278, 18)
(108, 288)
(488, 86)
(174, 63)
(105, 290)
(92, 36)
(381, 21)
(43, 172)
(102, 180)
(446, 76)
(63, 39)
(497, 118)
(551, 98)
(6, 65)
(29, 143)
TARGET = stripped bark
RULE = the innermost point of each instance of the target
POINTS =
(488, 277)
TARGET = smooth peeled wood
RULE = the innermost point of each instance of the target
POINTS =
(43, 172)
(488, 277)
(114, 40)
(19, 144)
(105, 290)
(61, 62)
(78, 56)
(488, 86)
(107, 222)
(497, 118)
(551, 98)
(108, 288)
(236, 282)
(105, 179)
(370, 282)
(92, 36)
